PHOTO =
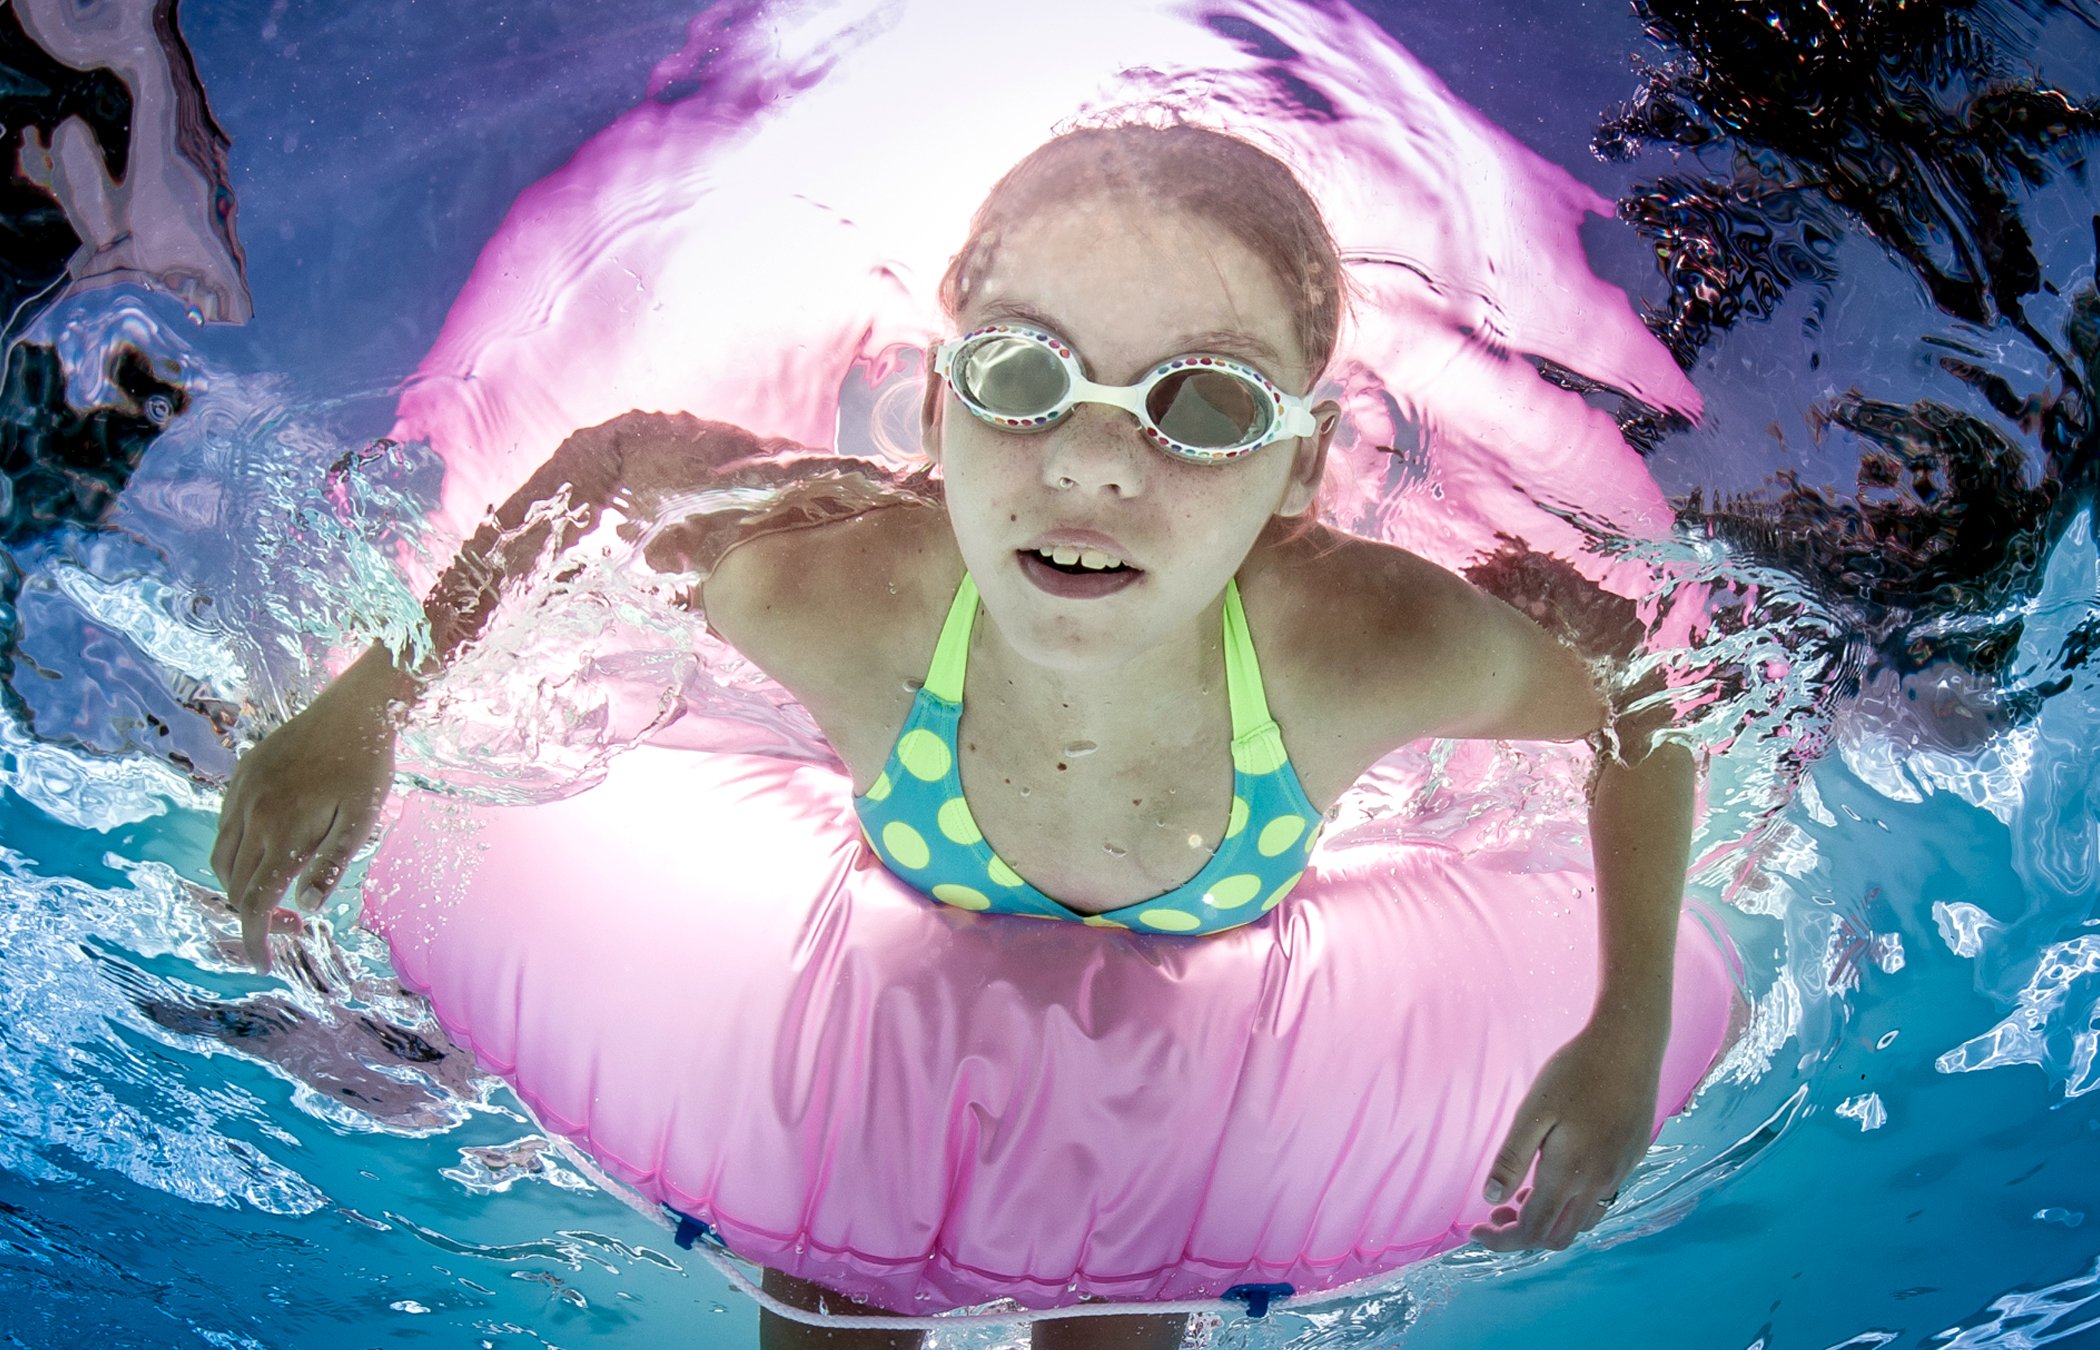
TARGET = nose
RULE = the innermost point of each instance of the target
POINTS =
(1096, 449)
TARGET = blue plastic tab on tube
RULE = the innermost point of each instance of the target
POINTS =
(1258, 1297)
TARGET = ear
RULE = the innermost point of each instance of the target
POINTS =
(932, 405)
(1309, 460)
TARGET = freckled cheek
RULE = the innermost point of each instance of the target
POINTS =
(1222, 509)
(992, 463)
(987, 500)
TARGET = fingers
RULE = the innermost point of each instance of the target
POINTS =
(346, 835)
(301, 803)
(254, 919)
(1538, 1219)
(1513, 1159)
(255, 938)
(261, 880)
(262, 869)
(226, 847)
(1498, 1234)
(1564, 1201)
(1561, 1229)
(1580, 1130)
(1584, 1210)
(1556, 1190)
(255, 853)
(260, 853)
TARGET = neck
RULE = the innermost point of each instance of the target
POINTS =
(1152, 691)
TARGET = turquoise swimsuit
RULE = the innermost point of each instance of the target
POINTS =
(917, 823)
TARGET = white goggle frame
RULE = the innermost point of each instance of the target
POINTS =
(1289, 414)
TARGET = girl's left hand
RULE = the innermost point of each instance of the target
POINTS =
(1588, 1119)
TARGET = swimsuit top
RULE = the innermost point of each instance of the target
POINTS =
(915, 819)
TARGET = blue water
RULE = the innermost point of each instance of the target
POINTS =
(251, 1167)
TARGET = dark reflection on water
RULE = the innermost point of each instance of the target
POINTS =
(1924, 129)
(40, 93)
(1917, 123)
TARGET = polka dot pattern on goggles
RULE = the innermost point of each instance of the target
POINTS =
(1199, 406)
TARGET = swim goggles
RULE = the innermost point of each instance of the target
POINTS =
(1208, 409)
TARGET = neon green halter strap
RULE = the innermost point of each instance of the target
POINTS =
(944, 678)
(1243, 686)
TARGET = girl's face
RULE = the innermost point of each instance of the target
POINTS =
(1127, 288)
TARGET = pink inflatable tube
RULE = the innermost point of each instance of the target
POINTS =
(697, 972)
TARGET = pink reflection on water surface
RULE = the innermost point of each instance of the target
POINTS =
(776, 218)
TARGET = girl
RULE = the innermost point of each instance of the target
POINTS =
(1121, 557)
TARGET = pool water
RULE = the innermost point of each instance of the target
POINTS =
(1905, 1152)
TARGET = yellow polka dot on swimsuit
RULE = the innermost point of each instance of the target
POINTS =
(905, 846)
(962, 897)
(956, 822)
(924, 754)
(923, 830)
(1279, 834)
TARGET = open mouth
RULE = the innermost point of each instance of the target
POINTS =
(1075, 562)
(1077, 574)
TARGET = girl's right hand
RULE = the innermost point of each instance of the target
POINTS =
(301, 804)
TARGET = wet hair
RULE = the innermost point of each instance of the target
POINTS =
(1205, 174)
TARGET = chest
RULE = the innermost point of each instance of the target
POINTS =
(1098, 825)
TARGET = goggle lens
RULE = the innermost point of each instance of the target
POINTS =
(1012, 376)
(1208, 409)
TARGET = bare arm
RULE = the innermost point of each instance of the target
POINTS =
(632, 465)
(1588, 1118)
(301, 804)
(1512, 651)
(1641, 796)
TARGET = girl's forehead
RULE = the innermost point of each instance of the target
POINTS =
(1126, 286)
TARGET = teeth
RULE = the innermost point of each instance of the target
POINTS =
(1091, 558)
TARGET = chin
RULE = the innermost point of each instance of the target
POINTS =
(1072, 637)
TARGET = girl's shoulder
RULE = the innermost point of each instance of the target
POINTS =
(854, 579)
(841, 613)
(1337, 602)
(1365, 646)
